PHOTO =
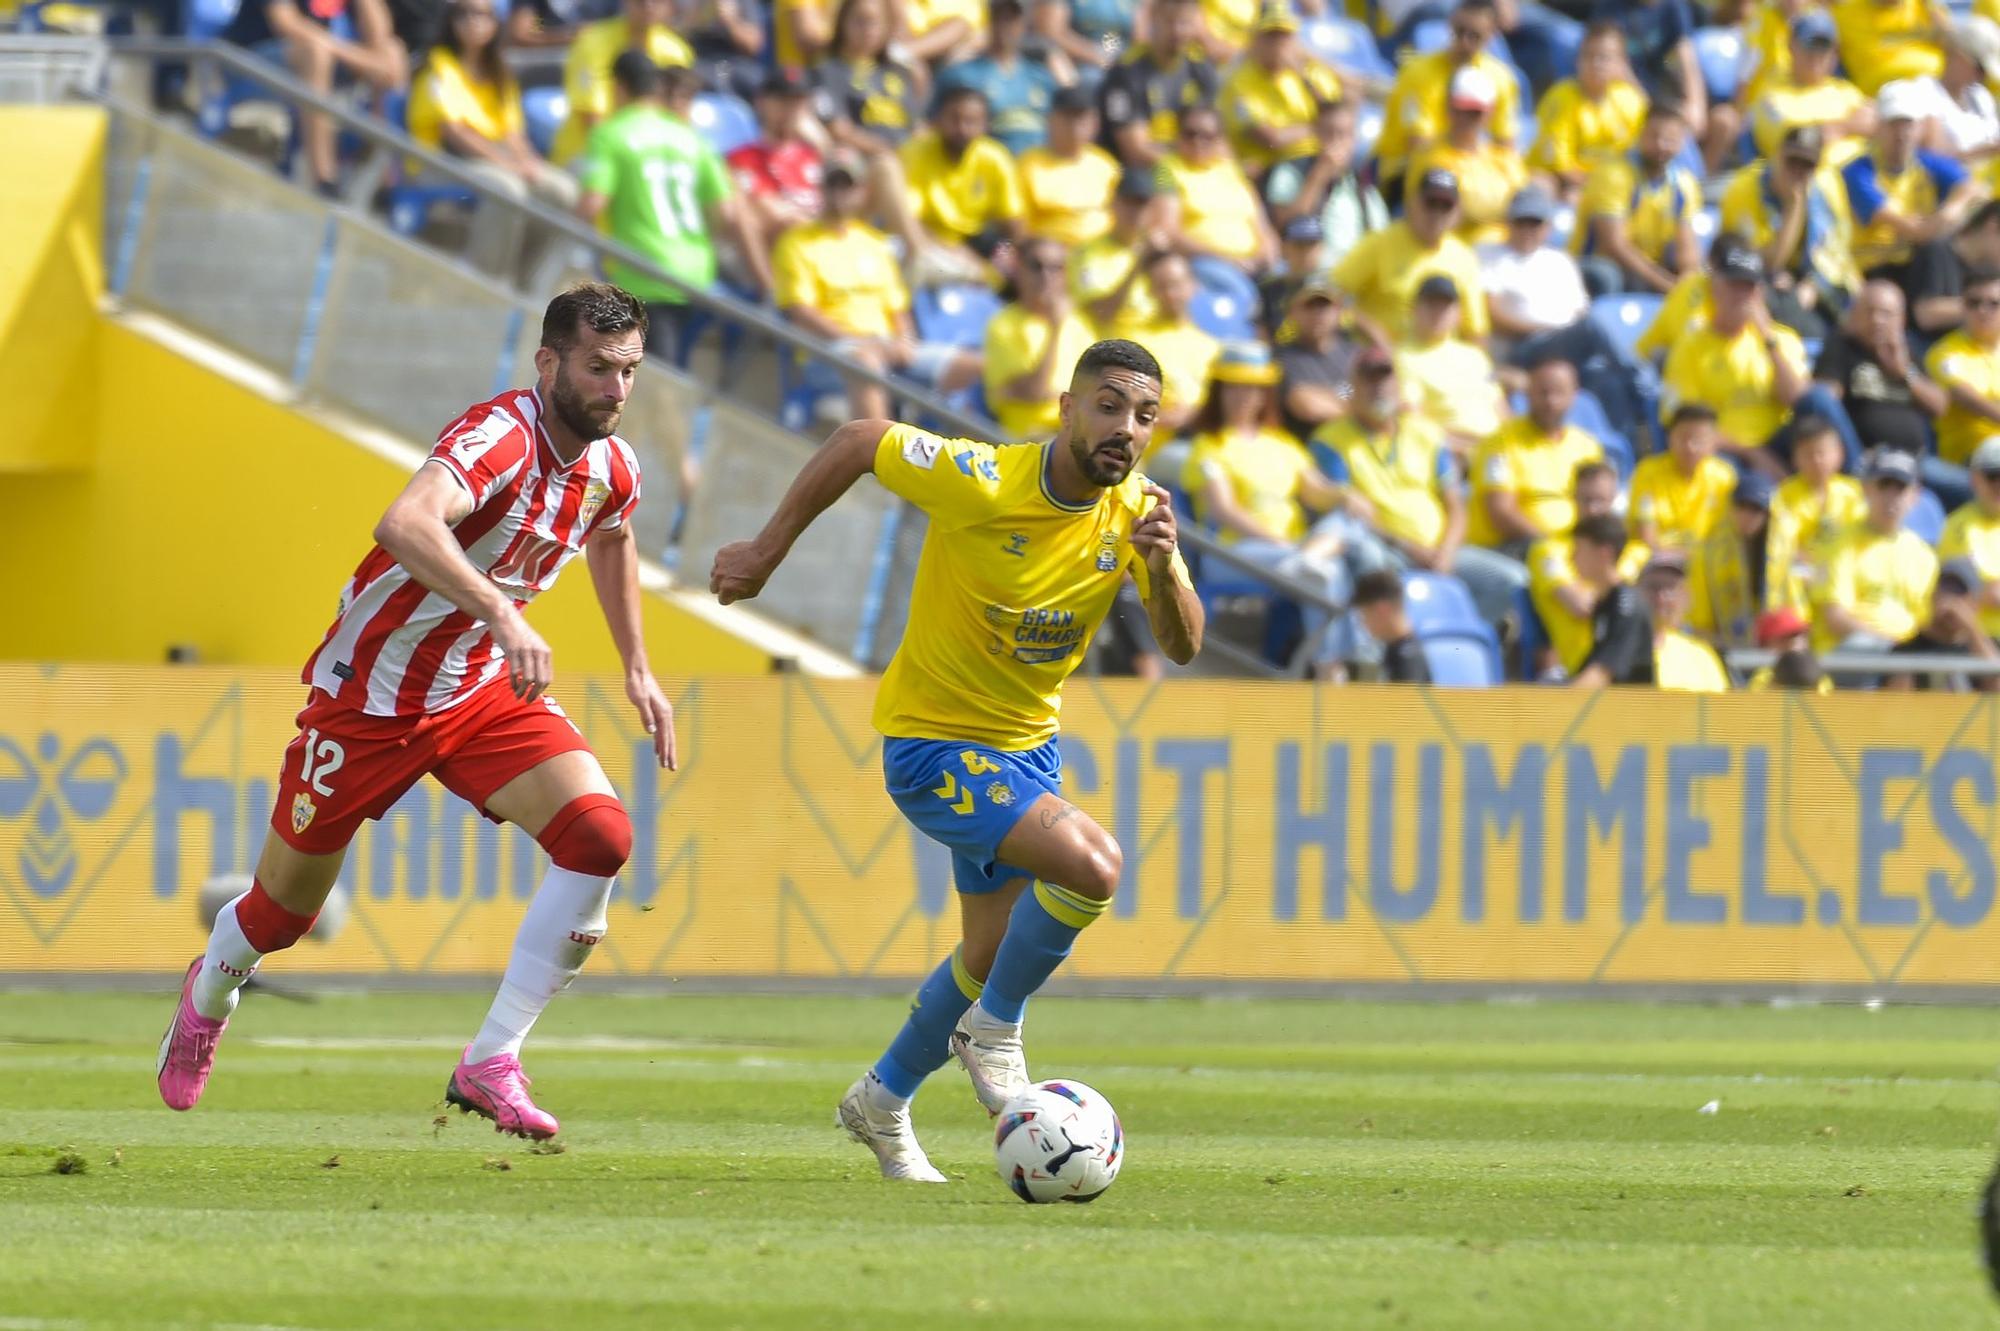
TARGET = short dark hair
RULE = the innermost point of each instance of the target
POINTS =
(1989, 213)
(1376, 586)
(1691, 411)
(1796, 669)
(1604, 27)
(1667, 108)
(958, 92)
(635, 74)
(678, 82)
(1981, 277)
(1547, 357)
(1810, 426)
(599, 306)
(1190, 111)
(1116, 353)
(1606, 531)
(1478, 6)
(1591, 470)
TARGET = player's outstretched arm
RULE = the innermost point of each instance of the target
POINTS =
(613, 557)
(416, 532)
(743, 567)
(1171, 603)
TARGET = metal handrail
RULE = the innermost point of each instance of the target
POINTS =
(1872, 663)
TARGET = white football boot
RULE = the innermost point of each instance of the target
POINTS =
(991, 1051)
(872, 1117)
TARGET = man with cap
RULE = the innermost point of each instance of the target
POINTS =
(1444, 377)
(1873, 580)
(1728, 572)
(1813, 95)
(1523, 476)
(1786, 631)
(1108, 275)
(1973, 531)
(1415, 114)
(1531, 286)
(1743, 365)
(1635, 221)
(1905, 196)
(1383, 271)
(1953, 629)
(1326, 185)
(1300, 254)
(1142, 96)
(1017, 88)
(1067, 183)
(1316, 362)
(1488, 171)
(778, 175)
(1966, 121)
(1637, 638)
(1795, 213)
(1268, 102)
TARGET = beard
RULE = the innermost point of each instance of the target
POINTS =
(577, 415)
(1101, 468)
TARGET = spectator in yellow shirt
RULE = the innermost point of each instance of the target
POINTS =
(1885, 40)
(1812, 95)
(1689, 304)
(1742, 366)
(941, 31)
(1216, 216)
(1680, 495)
(645, 26)
(1729, 572)
(1973, 532)
(1184, 351)
(1874, 579)
(1809, 507)
(1067, 183)
(1562, 597)
(1383, 271)
(1032, 343)
(1590, 119)
(1108, 275)
(1524, 476)
(1795, 212)
(1966, 364)
(1767, 45)
(1270, 101)
(1415, 113)
(964, 188)
(1905, 197)
(1488, 172)
(1448, 381)
(1635, 222)
(837, 278)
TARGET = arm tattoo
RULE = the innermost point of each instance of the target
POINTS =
(1062, 813)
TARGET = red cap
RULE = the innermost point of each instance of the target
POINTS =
(1777, 625)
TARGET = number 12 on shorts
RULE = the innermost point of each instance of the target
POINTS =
(323, 758)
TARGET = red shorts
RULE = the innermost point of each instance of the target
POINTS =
(346, 766)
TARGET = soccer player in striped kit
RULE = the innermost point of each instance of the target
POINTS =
(430, 668)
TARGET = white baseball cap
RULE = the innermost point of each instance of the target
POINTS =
(1902, 100)
(1472, 90)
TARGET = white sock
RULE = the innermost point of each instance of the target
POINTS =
(563, 923)
(226, 967)
(879, 1096)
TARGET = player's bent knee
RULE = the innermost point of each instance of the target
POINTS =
(592, 834)
(1098, 874)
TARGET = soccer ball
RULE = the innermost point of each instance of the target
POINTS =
(1058, 1141)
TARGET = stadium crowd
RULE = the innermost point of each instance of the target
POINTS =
(1635, 330)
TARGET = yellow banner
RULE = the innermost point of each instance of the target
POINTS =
(1271, 833)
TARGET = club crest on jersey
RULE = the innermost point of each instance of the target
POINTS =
(594, 495)
(1107, 552)
(1000, 794)
(303, 812)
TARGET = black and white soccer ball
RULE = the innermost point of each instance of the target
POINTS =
(1058, 1141)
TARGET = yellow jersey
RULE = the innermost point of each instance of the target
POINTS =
(1687, 665)
(848, 273)
(1402, 472)
(1552, 564)
(1219, 210)
(1958, 361)
(1416, 113)
(1384, 269)
(924, 15)
(1915, 192)
(1255, 97)
(1575, 133)
(445, 93)
(1015, 342)
(1883, 42)
(1682, 509)
(1884, 581)
(1734, 375)
(1538, 469)
(1767, 38)
(1234, 21)
(1688, 306)
(1262, 473)
(788, 52)
(1785, 106)
(1068, 199)
(1451, 384)
(1487, 181)
(1185, 354)
(955, 201)
(587, 75)
(1973, 533)
(1751, 211)
(1802, 518)
(1099, 269)
(1653, 210)
(1011, 583)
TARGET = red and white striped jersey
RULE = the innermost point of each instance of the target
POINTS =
(398, 649)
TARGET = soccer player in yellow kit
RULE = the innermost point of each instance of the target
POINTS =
(1026, 550)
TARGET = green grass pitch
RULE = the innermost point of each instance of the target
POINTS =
(1292, 1164)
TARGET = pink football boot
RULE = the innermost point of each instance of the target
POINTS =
(498, 1089)
(187, 1050)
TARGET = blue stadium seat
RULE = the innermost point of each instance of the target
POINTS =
(726, 120)
(956, 315)
(1926, 516)
(1347, 45)
(1589, 416)
(1439, 603)
(1623, 318)
(1719, 52)
(544, 108)
(1223, 315)
(1463, 660)
(802, 387)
